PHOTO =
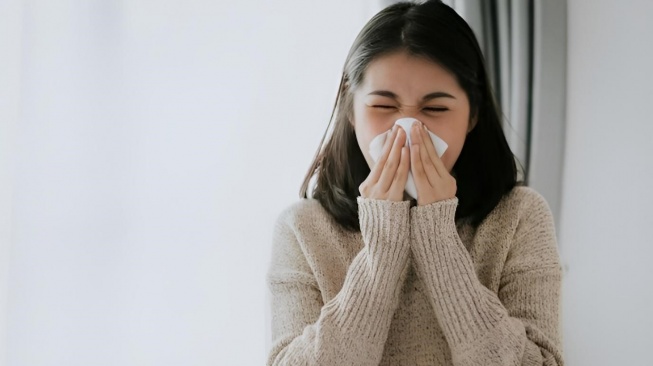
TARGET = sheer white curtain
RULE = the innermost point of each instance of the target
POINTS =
(145, 150)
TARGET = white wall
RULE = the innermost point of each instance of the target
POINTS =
(156, 141)
(154, 144)
(10, 56)
(607, 206)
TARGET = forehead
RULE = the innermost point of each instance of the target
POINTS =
(404, 71)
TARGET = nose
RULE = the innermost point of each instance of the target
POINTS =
(409, 111)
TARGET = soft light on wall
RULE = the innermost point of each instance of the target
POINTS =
(154, 143)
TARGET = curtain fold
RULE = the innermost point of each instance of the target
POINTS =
(504, 31)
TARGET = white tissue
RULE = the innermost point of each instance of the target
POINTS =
(376, 149)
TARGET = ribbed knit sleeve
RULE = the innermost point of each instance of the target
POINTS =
(517, 326)
(351, 328)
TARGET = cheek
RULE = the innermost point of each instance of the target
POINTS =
(367, 128)
(364, 136)
(364, 140)
(454, 136)
(365, 133)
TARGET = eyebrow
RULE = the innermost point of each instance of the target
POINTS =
(434, 95)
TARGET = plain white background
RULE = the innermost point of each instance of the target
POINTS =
(607, 199)
(147, 147)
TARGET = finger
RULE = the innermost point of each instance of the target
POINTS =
(433, 154)
(399, 182)
(417, 168)
(429, 170)
(390, 166)
(378, 167)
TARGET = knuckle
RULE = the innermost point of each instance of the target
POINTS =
(374, 193)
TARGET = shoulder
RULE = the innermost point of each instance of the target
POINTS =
(524, 199)
(309, 222)
(521, 207)
(304, 235)
(532, 234)
(304, 213)
(289, 261)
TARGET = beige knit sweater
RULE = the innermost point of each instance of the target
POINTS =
(416, 288)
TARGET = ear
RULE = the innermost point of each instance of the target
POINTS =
(472, 123)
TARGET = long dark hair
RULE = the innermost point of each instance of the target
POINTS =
(485, 170)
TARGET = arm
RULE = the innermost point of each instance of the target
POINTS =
(351, 328)
(520, 326)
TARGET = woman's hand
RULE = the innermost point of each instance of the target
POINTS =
(432, 179)
(387, 179)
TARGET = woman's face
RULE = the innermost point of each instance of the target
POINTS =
(399, 85)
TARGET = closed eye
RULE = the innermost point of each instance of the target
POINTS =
(430, 109)
(435, 109)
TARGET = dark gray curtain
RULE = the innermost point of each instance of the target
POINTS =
(504, 29)
(524, 42)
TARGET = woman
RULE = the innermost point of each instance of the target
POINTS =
(466, 274)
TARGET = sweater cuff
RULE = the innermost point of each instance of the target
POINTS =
(440, 214)
(384, 224)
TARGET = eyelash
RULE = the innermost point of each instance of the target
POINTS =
(431, 109)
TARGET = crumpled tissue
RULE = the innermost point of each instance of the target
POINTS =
(376, 149)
